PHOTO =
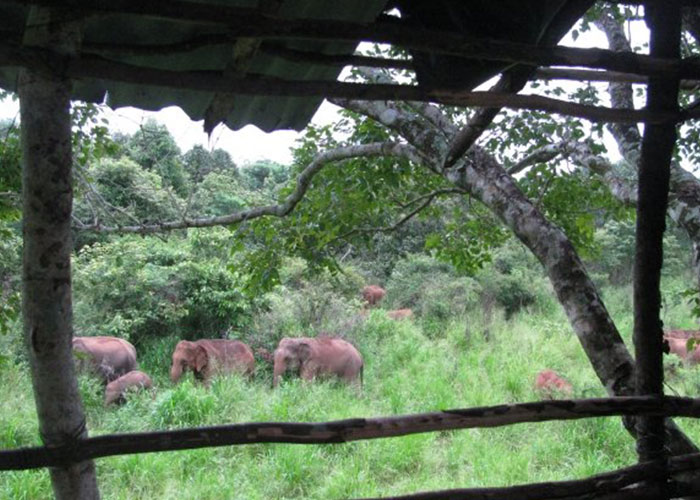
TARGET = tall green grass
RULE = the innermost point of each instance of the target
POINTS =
(473, 360)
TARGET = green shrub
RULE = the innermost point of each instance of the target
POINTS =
(431, 288)
(513, 280)
(615, 244)
(138, 288)
(306, 304)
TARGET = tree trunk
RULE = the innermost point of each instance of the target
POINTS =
(482, 176)
(684, 196)
(46, 273)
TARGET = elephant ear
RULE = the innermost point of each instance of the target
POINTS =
(304, 350)
(201, 358)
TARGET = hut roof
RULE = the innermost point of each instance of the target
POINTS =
(208, 37)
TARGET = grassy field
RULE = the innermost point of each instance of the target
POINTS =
(406, 371)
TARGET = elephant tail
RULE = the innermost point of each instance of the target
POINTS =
(362, 380)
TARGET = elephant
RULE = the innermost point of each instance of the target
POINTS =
(311, 357)
(134, 380)
(399, 314)
(682, 334)
(678, 345)
(549, 383)
(108, 357)
(373, 294)
(207, 357)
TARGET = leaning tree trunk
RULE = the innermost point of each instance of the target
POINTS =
(46, 273)
(483, 177)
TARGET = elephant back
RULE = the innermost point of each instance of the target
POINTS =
(108, 357)
(229, 355)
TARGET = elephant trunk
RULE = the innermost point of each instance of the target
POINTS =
(175, 373)
(111, 396)
(278, 370)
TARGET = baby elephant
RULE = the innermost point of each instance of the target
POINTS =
(116, 390)
(311, 357)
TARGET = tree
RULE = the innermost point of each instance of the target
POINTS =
(155, 149)
(198, 162)
(46, 270)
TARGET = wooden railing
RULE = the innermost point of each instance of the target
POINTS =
(622, 483)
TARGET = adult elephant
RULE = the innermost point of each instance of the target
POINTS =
(373, 294)
(311, 357)
(207, 357)
(108, 357)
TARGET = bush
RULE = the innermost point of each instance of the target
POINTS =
(512, 281)
(137, 288)
(433, 289)
(615, 252)
(307, 304)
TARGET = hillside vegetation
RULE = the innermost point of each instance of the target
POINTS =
(460, 351)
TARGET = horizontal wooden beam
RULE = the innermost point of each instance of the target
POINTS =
(343, 431)
(241, 22)
(587, 75)
(620, 484)
(95, 67)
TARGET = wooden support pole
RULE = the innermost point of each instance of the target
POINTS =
(47, 198)
(664, 22)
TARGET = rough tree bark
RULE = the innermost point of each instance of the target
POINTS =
(46, 273)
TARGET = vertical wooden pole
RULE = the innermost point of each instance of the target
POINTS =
(46, 271)
(664, 21)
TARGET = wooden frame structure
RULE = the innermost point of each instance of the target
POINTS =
(51, 55)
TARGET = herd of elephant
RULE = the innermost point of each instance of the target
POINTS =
(114, 359)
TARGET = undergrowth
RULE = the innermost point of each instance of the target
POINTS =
(473, 360)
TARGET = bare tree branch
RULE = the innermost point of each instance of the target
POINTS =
(348, 430)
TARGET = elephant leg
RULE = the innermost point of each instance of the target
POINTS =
(308, 372)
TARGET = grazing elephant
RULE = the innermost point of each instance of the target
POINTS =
(548, 383)
(681, 334)
(108, 357)
(311, 357)
(207, 357)
(373, 295)
(678, 345)
(399, 314)
(135, 380)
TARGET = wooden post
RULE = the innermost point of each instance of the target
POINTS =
(46, 272)
(654, 172)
